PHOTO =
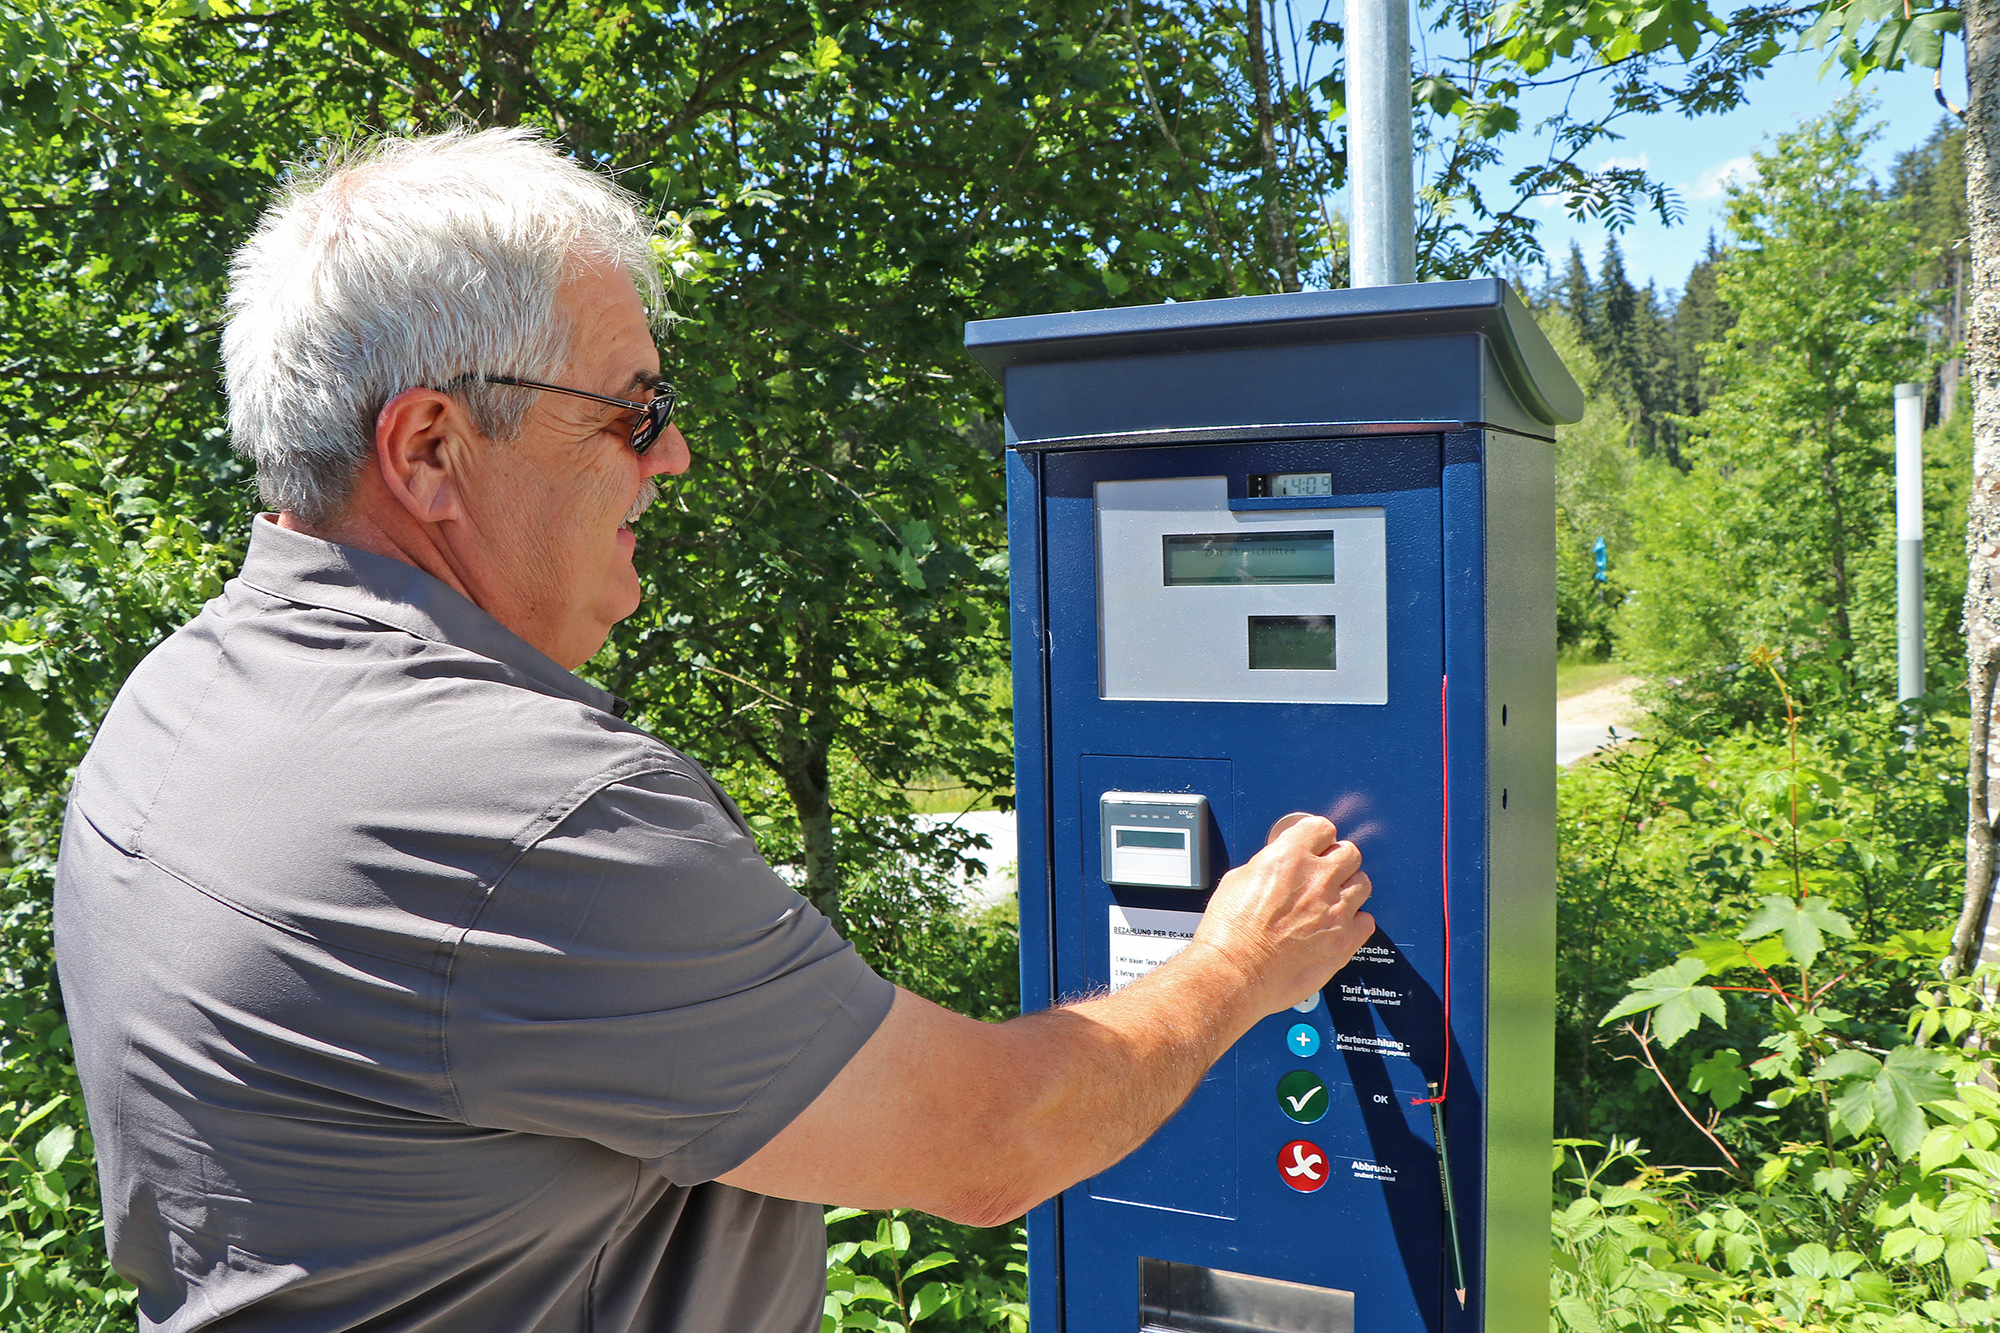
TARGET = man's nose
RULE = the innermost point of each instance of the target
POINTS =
(669, 454)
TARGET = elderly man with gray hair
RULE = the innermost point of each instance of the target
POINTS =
(412, 987)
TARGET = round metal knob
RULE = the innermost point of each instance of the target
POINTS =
(1284, 822)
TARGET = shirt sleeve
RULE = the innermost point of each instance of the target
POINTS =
(642, 978)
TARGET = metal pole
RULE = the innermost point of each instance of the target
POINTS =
(1909, 540)
(1382, 226)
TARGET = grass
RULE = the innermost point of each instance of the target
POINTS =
(1576, 677)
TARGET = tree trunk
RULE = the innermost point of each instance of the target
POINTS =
(802, 765)
(1977, 938)
(1829, 472)
(1277, 217)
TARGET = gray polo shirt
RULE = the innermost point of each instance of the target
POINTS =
(414, 989)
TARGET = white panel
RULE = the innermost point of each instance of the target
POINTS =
(1142, 938)
(1193, 642)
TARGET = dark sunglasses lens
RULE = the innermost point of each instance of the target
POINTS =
(658, 413)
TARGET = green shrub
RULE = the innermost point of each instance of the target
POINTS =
(969, 1280)
(1886, 1220)
(1853, 1181)
(1667, 840)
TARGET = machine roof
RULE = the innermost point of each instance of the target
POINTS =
(1534, 373)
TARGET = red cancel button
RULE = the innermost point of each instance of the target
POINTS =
(1302, 1165)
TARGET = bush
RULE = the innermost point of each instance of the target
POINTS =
(1859, 1190)
(969, 1280)
(1667, 839)
(1884, 1220)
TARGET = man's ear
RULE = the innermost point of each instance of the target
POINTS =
(422, 446)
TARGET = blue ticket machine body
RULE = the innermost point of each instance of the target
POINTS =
(1276, 554)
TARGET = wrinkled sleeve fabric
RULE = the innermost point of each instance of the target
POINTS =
(642, 978)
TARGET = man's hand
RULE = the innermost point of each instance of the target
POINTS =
(1291, 916)
(979, 1122)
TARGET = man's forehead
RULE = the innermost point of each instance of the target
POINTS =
(614, 344)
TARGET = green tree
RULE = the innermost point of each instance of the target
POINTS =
(1931, 177)
(842, 185)
(1685, 57)
(1790, 513)
(1700, 317)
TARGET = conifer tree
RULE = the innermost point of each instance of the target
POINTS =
(1578, 296)
(1930, 180)
(1700, 317)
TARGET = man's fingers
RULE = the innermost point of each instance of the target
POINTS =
(1311, 833)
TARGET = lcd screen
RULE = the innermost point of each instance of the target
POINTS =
(1248, 557)
(1291, 643)
(1146, 837)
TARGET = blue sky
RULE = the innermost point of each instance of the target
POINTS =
(1698, 157)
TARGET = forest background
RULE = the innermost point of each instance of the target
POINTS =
(1753, 899)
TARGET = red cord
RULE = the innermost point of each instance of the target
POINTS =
(1444, 875)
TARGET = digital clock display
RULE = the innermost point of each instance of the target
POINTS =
(1290, 485)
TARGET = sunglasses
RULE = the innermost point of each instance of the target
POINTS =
(653, 416)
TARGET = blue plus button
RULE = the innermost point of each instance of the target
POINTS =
(1303, 1039)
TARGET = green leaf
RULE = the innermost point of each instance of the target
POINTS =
(935, 1259)
(54, 1149)
(1722, 1078)
(1810, 1260)
(1846, 1063)
(868, 1288)
(1940, 1148)
(1720, 954)
(1899, 1243)
(933, 1297)
(40, 1113)
(1678, 1004)
(1964, 1259)
(46, 1190)
(1887, 1095)
(1835, 1181)
(1577, 1315)
(1802, 925)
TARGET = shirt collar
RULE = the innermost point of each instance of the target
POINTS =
(314, 572)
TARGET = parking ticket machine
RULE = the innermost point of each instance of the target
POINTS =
(1278, 554)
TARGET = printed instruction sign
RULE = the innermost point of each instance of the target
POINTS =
(1144, 937)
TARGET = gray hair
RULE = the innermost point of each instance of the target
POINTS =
(408, 262)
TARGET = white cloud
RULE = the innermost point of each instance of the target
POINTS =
(1639, 163)
(1712, 183)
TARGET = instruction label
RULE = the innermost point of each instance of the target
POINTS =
(1144, 937)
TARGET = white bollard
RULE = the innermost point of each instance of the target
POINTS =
(1909, 540)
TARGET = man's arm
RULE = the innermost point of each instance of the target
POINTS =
(978, 1122)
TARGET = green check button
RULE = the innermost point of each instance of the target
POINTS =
(1302, 1096)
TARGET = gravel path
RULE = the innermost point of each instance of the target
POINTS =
(1600, 716)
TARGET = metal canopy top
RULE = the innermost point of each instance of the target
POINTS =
(1485, 306)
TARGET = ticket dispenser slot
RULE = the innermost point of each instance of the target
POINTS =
(1187, 1298)
(1281, 554)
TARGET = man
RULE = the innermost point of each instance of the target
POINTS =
(414, 989)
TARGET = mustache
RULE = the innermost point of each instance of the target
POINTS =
(649, 491)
